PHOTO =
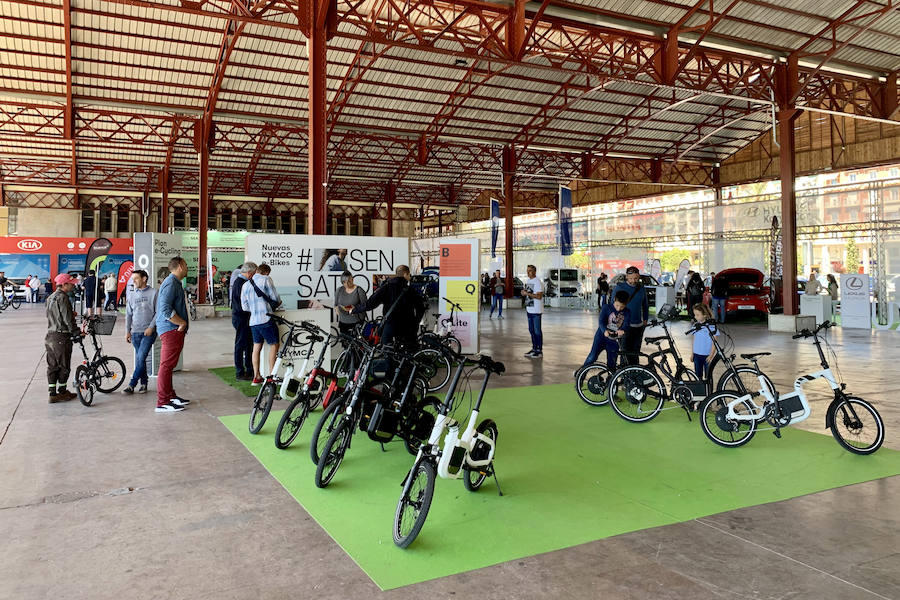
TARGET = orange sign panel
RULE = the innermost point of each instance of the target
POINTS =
(456, 260)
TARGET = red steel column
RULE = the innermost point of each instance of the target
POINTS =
(164, 210)
(788, 173)
(317, 111)
(203, 218)
(509, 170)
(390, 193)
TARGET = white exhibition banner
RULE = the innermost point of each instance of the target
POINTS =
(309, 267)
(152, 253)
(855, 304)
(297, 354)
(459, 283)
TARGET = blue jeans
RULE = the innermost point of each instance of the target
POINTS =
(718, 306)
(601, 343)
(534, 328)
(143, 344)
(497, 300)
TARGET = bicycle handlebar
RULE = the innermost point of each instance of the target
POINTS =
(452, 303)
(805, 333)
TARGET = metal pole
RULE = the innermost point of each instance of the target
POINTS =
(509, 169)
(788, 172)
(203, 219)
(317, 107)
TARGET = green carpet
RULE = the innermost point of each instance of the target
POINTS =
(226, 374)
(570, 474)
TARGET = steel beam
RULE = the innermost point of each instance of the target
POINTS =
(390, 194)
(316, 45)
(203, 217)
(509, 170)
(788, 173)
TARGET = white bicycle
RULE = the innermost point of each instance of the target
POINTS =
(469, 456)
(730, 419)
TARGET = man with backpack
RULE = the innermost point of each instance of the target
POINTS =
(258, 297)
(639, 312)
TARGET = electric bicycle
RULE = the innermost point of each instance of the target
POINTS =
(98, 373)
(731, 419)
(469, 456)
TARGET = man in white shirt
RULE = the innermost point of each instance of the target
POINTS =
(534, 307)
(35, 284)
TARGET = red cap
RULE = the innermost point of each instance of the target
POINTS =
(64, 278)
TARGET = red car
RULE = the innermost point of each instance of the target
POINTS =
(746, 291)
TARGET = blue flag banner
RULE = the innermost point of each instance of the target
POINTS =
(495, 225)
(565, 221)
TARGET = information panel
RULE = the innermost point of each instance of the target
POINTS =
(855, 304)
(458, 260)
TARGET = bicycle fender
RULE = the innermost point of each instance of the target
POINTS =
(829, 413)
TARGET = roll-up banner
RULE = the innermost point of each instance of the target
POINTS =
(565, 221)
(495, 225)
(459, 284)
(124, 278)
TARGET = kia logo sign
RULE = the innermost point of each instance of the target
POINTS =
(29, 245)
(854, 283)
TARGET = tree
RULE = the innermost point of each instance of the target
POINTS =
(670, 259)
(852, 256)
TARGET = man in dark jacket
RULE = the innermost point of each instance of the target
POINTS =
(639, 311)
(240, 320)
(401, 322)
(89, 285)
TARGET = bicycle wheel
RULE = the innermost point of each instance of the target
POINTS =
(452, 342)
(83, 386)
(719, 428)
(435, 368)
(324, 427)
(748, 378)
(292, 421)
(473, 478)
(857, 426)
(262, 405)
(15, 302)
(110, 374)
(333, 453)
(637, 393)
(343, 363)
(412, 509)
(591, 383)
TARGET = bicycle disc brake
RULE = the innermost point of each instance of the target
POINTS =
(596, 384)
(635, 390)
(722, 421)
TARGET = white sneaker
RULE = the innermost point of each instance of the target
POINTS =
(182, 402)
(169, 408)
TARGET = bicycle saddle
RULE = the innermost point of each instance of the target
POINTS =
(754, 355)
(653, 340)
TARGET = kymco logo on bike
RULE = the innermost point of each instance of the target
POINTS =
(28, 245)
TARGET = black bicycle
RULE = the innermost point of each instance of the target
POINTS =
(384, 409)
(99, 372)
(639, 392)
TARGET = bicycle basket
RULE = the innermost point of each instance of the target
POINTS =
(104, 325)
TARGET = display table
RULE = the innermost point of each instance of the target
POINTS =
(816, 305)
(318, 316)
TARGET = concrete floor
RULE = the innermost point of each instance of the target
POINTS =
(115, 501)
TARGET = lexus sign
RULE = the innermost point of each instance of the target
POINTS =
(30, 245)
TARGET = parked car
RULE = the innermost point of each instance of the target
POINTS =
(649, 282)
(426, 284)
(746, 292)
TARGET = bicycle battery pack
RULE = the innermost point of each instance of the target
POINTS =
(698, 389)
(383, 424)
(792, 406)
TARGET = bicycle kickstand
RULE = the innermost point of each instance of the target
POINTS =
(496, 481)
(382, 447)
